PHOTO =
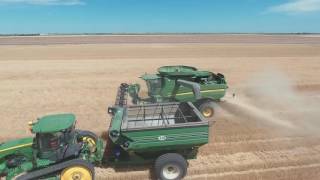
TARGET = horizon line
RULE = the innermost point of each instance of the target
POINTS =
(160, 33)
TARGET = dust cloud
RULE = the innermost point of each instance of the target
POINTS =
(271, 98)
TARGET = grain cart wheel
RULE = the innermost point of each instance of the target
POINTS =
(89, 138)
(207, 109)
(170, 166)
(77, 173)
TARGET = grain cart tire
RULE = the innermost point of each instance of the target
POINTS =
(170, 166)
(207, 108)
(88, 137)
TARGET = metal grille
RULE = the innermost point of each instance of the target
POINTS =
(158, 115)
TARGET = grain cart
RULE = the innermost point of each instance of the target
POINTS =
(57, 151)
(182, 84)
(165, 134)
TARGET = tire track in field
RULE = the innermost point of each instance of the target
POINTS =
(239, 162)
(310, 172)
(259, 145)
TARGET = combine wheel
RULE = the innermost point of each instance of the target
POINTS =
(76, 173)
(207, 109)
(170, 166)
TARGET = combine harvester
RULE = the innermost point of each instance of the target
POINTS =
(182, 84)
(163, 134)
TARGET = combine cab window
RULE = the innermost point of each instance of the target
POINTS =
(154, 85)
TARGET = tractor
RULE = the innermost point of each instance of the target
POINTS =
(57, 151)
(182, 84)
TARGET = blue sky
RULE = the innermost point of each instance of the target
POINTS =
(141, 16)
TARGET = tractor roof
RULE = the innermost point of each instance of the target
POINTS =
(149, 76)
(53, 123)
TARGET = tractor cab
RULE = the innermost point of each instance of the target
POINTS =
(53, 134)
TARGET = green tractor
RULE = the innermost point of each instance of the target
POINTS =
(182, 84)
(57, 151)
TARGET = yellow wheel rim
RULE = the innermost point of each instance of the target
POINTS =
(76, 173)
(207, 112)
(91, 143)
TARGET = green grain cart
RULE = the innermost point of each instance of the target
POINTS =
(182, 84)
(163, 134)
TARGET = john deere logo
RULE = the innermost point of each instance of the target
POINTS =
(162, 138)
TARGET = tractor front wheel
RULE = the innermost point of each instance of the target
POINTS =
(76, 173)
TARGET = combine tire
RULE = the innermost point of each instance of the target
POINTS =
(207, 109)
(170, 166)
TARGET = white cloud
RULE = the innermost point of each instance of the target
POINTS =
(43, 2)
(297, 6)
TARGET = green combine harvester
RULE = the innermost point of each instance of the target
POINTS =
(182, 84)
(164, 134)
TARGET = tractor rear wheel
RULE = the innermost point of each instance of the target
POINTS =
(170, 166)
(207, 109)
(76, 173)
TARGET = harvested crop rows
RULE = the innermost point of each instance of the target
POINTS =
(262, 133)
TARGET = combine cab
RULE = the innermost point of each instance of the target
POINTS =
(182, 84)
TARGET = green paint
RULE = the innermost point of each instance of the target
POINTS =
(150, 77)
(170, 138)
(53, 123)
(20, 145)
